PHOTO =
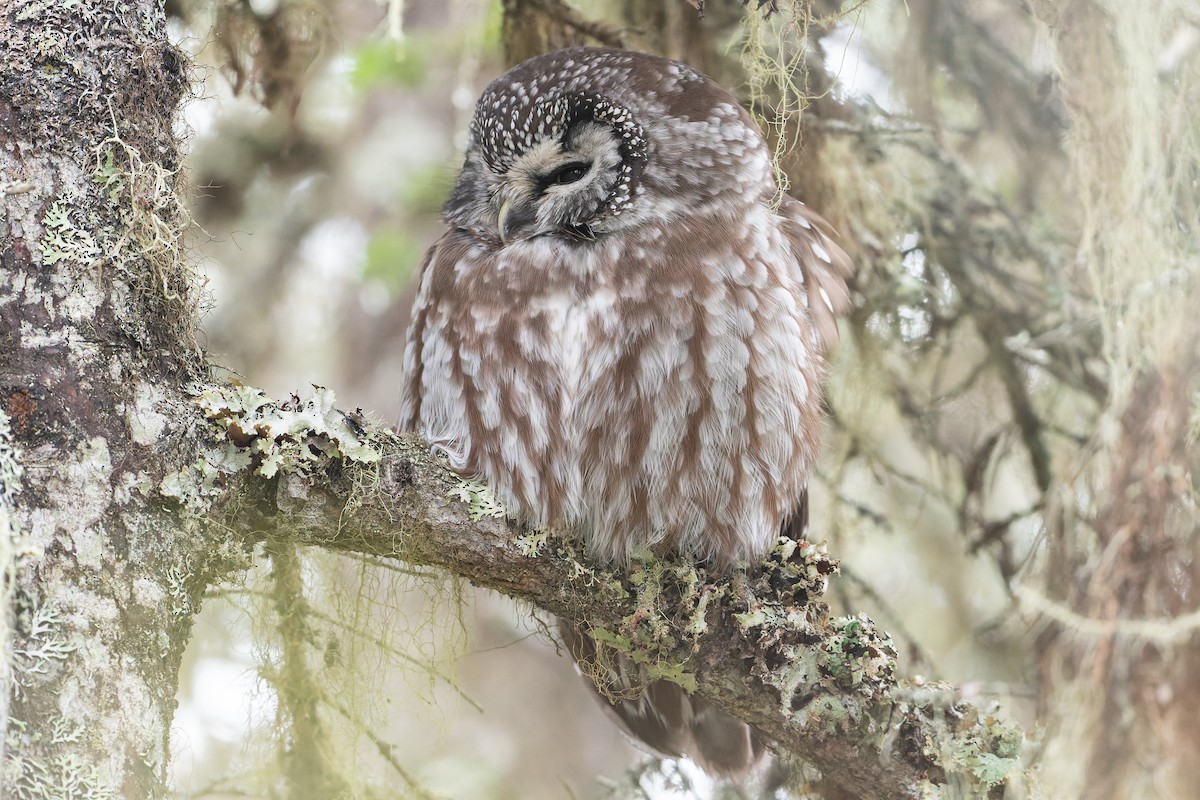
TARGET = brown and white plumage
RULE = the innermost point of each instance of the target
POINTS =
(623, 329)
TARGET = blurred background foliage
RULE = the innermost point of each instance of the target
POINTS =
(1010, 475)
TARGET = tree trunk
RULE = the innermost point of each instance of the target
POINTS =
(1119, 663)
(97, 322)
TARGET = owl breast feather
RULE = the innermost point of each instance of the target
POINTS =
(652, 393)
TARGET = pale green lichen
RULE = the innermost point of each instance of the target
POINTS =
(193, 486)
(45, 642)
(480, 499)
(669, 603)
(697, 623)
(66, 776)
(11, 473)
(65, 731)
(180, 593)
(129, 483)
(677, 673)
(577, 570)
(859, 655)
(851, 662)
(72, 236)
(976, 751)
(43, 647)
(988, 751)
(127, 228)
(826, 671)
(294, 432)
(110, 177)
(265, 437)
(64, 239)
(533, 543)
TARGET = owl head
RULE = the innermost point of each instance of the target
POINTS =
(583, 142)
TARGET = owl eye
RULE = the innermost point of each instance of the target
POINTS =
(569, 173)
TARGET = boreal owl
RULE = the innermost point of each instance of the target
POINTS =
(623, 330)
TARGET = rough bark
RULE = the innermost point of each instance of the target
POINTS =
(96, 342)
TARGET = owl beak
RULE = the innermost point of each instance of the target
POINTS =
(515, 219)
(502, 220)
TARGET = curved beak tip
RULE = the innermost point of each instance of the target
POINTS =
(502, 219)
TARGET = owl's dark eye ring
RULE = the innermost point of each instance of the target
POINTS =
(569, 173)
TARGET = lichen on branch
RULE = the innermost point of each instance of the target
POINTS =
(759, 642)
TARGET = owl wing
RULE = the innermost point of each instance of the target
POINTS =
(410, 388)
(431, 400)
(824, 266)
(825, 269)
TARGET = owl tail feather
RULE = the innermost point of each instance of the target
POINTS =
(661, 716)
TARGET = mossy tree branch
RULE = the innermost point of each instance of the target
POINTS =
(760, 643)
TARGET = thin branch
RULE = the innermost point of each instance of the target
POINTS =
(386, 749)
(396, 653)
(1164, 632)
(565, 15)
